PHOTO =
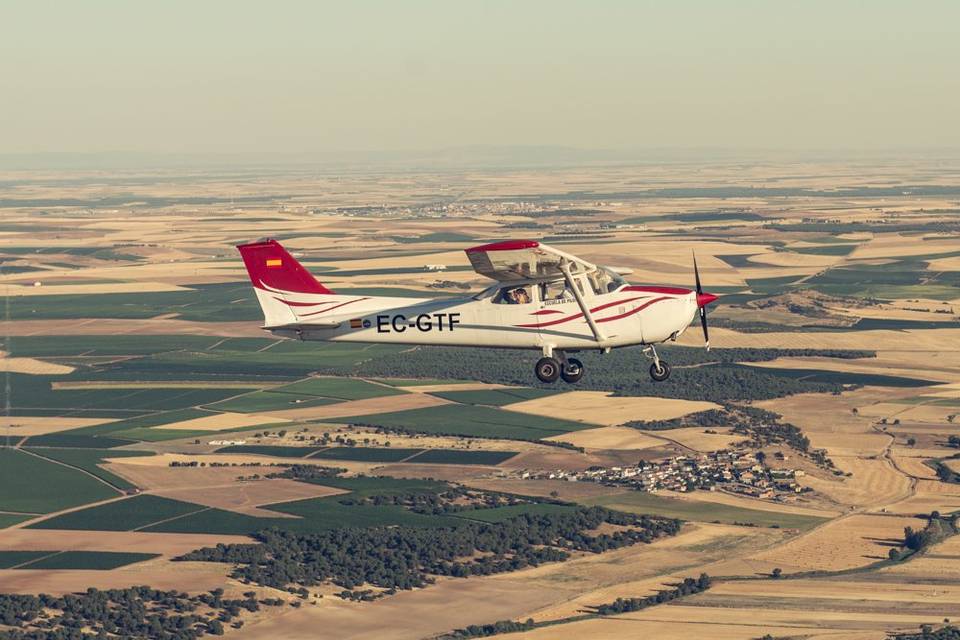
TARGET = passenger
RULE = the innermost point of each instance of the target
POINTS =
(518, 295)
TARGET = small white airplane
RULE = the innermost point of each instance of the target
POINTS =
(543, 299)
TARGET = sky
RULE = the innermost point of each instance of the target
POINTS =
(289, 76)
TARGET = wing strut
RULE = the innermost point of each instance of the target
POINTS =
(565, 268)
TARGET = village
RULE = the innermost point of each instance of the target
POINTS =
(737, 472)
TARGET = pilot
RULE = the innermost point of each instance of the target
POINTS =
(518, 295)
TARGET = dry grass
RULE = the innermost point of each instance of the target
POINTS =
(695, 438)
(598, 407)
(32, 366)
(360, 407)
(223, 422)
(19, 426)
(609, 438)
(854, 541)
(874, 483)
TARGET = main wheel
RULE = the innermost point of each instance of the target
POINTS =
(573, 371)
(547, 369)
(661, 374)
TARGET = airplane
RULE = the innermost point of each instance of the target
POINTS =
(542, 299)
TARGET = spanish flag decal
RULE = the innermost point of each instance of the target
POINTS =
(356, 323)
(274, 262)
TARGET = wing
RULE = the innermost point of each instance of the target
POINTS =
(523, 260)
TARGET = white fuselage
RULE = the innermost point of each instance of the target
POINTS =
(626, 316)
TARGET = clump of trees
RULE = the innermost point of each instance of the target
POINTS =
(689, 586)
(135, 612)
(307, 472)
(927, 632)
(404, 557)
(495, 629)
(709, 418)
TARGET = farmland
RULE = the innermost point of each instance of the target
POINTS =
(478, 421)
(32, 484)
(151, 417)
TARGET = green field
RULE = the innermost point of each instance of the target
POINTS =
(500, 514)
(74, 440)
(90, 459)
(842, 377)
(416, 382)
(10, 559)
(96, 560)
(269, 450)
(458, 456)
(151, 513)
(158, 434)
(34, 392)
(496, 397)
(466, 420)
(10, 519)
(269, 401)
(122, 515)
(366, 454)
(150, 420)
(33, 485)
(827, 250)
(647, 503)
(342, 388)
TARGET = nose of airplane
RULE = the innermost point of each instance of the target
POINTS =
(703, 299)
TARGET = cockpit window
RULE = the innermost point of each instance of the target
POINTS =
(604, 280)
(556, 290)
(514, 295)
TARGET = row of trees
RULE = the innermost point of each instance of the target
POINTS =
(689, 586)
(135, 612)
(404, 557)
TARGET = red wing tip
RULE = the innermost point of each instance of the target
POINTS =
(505, 245)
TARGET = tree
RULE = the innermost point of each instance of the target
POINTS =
(894, 554)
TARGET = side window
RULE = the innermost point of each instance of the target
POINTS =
(556, 290)
(514, 295)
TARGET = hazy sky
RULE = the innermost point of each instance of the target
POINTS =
(232, 76)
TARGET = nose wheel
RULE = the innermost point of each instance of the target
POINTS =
(659, 370)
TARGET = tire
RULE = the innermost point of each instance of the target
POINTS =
(662, 374)
(577, 367)
(547, 369)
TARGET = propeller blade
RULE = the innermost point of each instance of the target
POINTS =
(696, 273)
(702, 301)
(703, 323)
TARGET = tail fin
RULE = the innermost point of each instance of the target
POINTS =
(276, 275)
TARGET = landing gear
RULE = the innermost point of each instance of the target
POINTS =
(661, 374)
(572, 371)
(659, 370)
(548, 369)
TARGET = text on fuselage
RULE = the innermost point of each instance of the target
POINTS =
(423, 322)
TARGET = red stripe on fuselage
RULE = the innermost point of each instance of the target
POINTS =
(674, 291)
(637, 310)
(315, 313)
(290, 303)
(577, 315)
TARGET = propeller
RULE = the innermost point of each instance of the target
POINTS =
(703, 299)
